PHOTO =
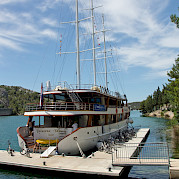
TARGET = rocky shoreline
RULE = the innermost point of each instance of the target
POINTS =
(161, 114)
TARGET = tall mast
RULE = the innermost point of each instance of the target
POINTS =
(94, 62)
(106, 81)
(77, 48)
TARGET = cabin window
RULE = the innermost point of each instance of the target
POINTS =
(98, 100)
(59, 98)
(120, 117)
(92, 100)
(49, 97)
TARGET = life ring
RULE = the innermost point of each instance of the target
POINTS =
(45, 141)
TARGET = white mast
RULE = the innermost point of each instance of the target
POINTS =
(94, 62)
(105, 54)
(77, 48)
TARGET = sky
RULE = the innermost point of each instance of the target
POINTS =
(141, 42)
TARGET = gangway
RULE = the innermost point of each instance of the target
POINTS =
(145, 154)
(48, 152)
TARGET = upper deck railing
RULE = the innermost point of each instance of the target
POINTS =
(101, 89)
(58, 106)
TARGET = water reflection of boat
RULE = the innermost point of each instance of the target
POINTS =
(79, 117)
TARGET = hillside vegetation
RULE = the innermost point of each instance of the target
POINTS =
(16, 98)
(168, 97)
(134, 105)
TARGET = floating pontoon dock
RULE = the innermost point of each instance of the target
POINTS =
(174, 168)
(100, 163)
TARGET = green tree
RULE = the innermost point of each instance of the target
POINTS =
(165, 98)
(157, 99)
(173, 87)
(149, 104)
(175, 19)
(142, 107)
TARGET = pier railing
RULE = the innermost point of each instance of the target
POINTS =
(131, 154)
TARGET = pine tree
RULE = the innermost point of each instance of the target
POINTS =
(173, 87)
(149, 104)
(175, 19)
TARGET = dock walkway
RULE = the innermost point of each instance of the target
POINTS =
(174, 168)
(98, 164)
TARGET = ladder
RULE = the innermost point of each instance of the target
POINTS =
(75, 98)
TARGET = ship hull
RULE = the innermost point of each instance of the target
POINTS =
(80, 141)
(86, 139)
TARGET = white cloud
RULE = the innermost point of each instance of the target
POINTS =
(50, 22)
(169, 37)
(49, 33)
(3, 2)
(6, 43)
(153, 58)
(19, 28)
(145, 37)
(154, 75)
(147, 40)
(47, 4)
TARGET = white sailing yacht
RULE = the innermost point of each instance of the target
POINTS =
(75, 118)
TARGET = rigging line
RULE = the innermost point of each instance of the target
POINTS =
(61, 12)
(115, 74)
(41, 64)
(86, 42)
(68, 37)
(119, 77)
(80, 14)
(64, 57)
(111, 75)
(58, 16)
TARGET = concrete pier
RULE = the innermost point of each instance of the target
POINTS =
(174, 168)
(98, 164)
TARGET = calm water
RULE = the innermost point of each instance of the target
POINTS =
(159, 132)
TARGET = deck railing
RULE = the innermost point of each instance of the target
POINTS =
(65, 85)
(131, 154)
(65, 106)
